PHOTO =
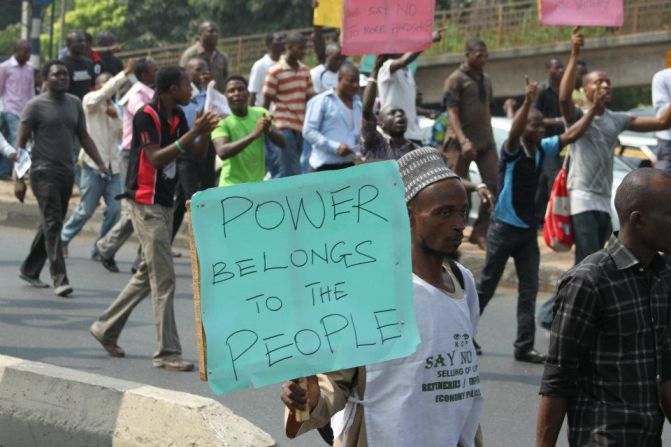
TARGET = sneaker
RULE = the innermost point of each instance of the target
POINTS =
(63, 290)
(173, 364)
(35, 282)
(109, 264)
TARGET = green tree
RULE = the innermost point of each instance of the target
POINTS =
(90, 16)
(237, 17)
(8, 38)
(152, 23)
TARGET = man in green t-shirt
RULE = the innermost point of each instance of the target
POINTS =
(238, 139)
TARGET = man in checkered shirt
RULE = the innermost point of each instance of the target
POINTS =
(609, 361)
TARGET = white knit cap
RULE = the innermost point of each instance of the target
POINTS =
(421, 168)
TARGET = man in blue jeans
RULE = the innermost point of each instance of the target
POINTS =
(104, 126)
(512, 232)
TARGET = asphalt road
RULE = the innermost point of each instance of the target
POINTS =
(36, 325)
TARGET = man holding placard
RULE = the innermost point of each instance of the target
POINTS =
(432, 397)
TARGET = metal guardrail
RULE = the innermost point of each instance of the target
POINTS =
(501, 23)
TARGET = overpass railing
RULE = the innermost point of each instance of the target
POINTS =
(501, 23)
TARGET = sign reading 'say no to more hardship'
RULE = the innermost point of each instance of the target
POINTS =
(582, 12)
(304, 275)
(387, 26)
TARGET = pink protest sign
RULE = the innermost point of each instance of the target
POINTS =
(387, 26)
(582, 12)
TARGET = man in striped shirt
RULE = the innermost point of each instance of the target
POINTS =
(288, 86)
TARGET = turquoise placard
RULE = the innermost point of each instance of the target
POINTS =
(304, 274)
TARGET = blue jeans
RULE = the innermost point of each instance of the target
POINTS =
(272, 154)
(289, 157)
(12, 122)
(93, 187)
(305, 157)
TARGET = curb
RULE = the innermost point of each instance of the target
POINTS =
(27, 215)
(45, 405)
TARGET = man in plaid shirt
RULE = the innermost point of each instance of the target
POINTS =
(609, 361)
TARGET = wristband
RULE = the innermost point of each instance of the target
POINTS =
(372, 79)
(481, 186)
(179, 147)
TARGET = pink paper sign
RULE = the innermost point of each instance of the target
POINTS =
(387, 26)
(582, 12)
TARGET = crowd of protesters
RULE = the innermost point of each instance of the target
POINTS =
(146, 138)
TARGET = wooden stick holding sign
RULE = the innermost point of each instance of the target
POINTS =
(201, 341)
(303, 415)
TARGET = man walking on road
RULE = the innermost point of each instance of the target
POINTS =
(52, 120)
(17, 87)
(139, 94)
(104, 126)
(609, 360)
(160, 135)
(468, 95)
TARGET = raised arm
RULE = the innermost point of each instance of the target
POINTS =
(110, 88)
(370, 91)
(568, 80)
(579, 128)
(194, 142)
(520, 119)
(408, 58)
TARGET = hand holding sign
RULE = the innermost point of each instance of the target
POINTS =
(577, 40)
(387, 26)
(582, 12)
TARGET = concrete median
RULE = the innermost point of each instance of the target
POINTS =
(45, 405)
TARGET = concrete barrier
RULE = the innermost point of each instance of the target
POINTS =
(44, 405)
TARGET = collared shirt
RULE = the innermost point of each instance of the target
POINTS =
(138, 95)
(610, 348)
(547, 102)
(472, 94)
(661, 97)
(330, 123)
(147, 184)
(258, 75)
(17, 85)
(289, 88)
(376, 145)
(197, 104)
(103, 129)
(218, 62)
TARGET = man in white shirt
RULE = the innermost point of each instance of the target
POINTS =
(661, 100)
(408, 401)
(139, 94)
(275, 47)
(325, 76)
(396, 86)
(104, 126)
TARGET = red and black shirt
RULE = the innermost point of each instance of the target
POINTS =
(145, 183)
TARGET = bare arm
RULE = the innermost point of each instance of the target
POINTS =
(266, 102)
(520, 119)
(651, 124)
(579, 128)
(252, 98)
(568, 80)
(370, 92)
(319, 44)
(408, 58)
(277, 137)
(194, 142)
(550, 418)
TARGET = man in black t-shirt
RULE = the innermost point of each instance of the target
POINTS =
(106, 46)
(160, 135)
(82, 74)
